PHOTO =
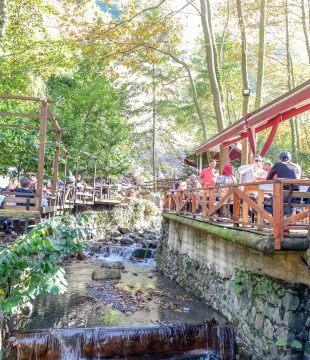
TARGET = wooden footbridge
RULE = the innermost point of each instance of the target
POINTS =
(57, 200)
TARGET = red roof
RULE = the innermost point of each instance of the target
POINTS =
(272, 114)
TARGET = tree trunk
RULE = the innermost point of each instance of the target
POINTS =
(217, 99)
(305, 29)
(261, 55)
(245, 79)
(3, 18)
(290, 77)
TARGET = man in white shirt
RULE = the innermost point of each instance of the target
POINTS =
(249, 173)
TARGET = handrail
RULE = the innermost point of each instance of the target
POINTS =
(270, 209)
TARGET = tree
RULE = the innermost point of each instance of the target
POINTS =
(94, 113)
(211, 63)
(245, 79)
(3, 19)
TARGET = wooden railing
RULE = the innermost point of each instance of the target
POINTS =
(267, 206)
(159, 185)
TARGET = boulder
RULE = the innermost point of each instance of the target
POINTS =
(142, 253)
(127, 241)
(106, 274)
(124, 230)
(149, 244)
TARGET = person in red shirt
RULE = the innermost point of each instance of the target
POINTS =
(208, 176)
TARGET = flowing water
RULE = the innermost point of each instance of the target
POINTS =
(97, 315)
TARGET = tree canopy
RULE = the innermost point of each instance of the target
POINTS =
(140, 84)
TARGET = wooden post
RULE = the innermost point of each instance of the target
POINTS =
(194, 202)
(165, 199)
(41, 159)
(56, 163)
(204, 204)
(65, 181)
(236, 209)
(94, 182)
(211, 201)
(278, 215)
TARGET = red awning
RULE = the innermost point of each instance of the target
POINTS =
(271, 115)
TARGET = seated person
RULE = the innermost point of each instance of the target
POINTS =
(284, 169)
(13, 185)
(25, 191)
(33, 181)
(249, 173)
(192, 182)
(79, 182)
(267, 166)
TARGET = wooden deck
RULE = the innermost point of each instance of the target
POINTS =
(267, 207)
(64, 200)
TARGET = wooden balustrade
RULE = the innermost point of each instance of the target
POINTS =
(268, 206)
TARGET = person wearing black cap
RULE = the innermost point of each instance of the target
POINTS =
(284, 169)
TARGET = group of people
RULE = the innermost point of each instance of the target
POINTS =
(257, 170)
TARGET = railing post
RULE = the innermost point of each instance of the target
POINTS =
(204, 205)
(211, 201)
(193, 195)
(278, 215)
(235, 208)
(41, 156)
(165, 199)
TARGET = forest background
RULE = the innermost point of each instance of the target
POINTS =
(141, 84)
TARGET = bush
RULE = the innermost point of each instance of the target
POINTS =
(32, 265)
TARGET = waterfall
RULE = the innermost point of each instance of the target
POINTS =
(107, 342)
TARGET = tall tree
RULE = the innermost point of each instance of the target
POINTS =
(306, 28)
(3, 18)
(290, 79)
(211, 64)
(245, 77)
(261, 55)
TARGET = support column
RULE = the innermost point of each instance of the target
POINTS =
(42, 136)
(56, 163)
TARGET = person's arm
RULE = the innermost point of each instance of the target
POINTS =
(244, 168)
(272, 172)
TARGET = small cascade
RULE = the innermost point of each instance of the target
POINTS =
(109, 342)
(120, 253)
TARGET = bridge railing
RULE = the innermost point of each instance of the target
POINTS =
(275, 206)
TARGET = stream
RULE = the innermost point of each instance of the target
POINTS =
(142, 298)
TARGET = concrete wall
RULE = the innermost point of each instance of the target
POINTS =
(273, 300)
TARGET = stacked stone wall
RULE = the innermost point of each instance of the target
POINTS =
(265, 310)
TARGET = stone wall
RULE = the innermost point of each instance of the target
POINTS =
(236, 281)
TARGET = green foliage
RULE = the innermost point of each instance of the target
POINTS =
(296, 345)
(93, 111)
(263, 287)
(238, 283)
(281, 342)
(32, 265)
(138, 212)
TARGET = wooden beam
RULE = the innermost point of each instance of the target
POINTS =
(32, 116)
(28, 98)
(53, 119)
(41, 157)
(56, 162)
(271, 135)
(24, 127)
